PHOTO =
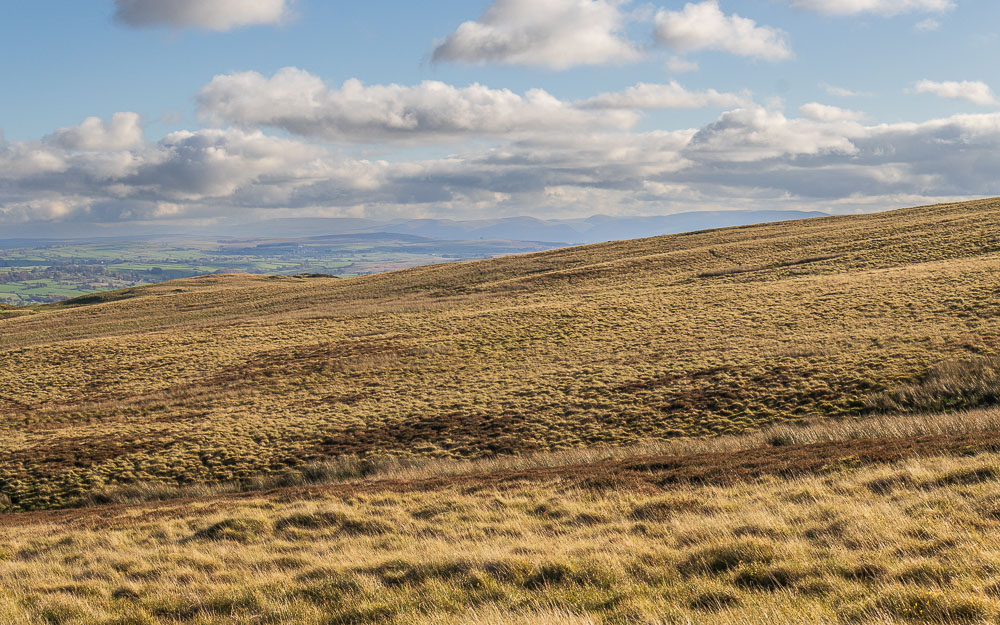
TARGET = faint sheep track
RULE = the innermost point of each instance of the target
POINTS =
(641, 474)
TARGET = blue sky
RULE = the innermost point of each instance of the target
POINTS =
(838, 105)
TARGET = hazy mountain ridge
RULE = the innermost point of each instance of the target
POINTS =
(594, 229)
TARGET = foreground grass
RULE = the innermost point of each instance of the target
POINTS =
(236, 378)
(912, 542)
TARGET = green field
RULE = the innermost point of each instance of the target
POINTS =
(51, 271)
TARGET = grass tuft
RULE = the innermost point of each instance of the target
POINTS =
(714, 600)
(716, 559)
(311, 521)
(762, 577)
(664, 509)
(920, 606)
(239, 530)
(950, 385)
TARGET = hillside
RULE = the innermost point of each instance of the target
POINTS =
(717, 332)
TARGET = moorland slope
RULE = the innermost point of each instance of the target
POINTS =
(717, 332)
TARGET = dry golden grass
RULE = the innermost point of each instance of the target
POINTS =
(978, 426)
(913, 542)
(238, 377)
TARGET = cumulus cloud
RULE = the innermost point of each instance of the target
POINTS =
(646, 96)
(21, 159)
(879, 7)
(972, 91)
(207, 14)
(755, 133)
(551, 33)
(703, 26)
(301, 103)
(187, 166)
(215, 163)
(826, 113)
(123, 131)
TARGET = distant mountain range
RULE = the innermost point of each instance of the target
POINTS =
(594, 229)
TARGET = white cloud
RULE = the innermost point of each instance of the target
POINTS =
(972, 91)
(184, 167)
(704, 26)
(207, 14)
(879, 7)
(301, 103)
(754, 133)
(123, 131)
(21, 159)
(826, 113)
(552, 33)
(431, 112)
(928, 25)
(217, 163)
(646, 96)
(846, 162)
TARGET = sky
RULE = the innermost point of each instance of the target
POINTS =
(204, 111)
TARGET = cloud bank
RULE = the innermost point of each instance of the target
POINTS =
(430, 112)
(748, 157)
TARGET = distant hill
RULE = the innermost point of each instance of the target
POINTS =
(596, 229)
(236, 376)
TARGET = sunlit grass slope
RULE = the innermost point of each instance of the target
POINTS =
(916, 541)
(236, 376)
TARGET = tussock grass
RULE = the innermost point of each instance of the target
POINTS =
(354, 470)
(951, 385)
(818, 549)
(239, 530)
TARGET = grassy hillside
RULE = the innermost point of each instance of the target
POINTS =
(236, 376)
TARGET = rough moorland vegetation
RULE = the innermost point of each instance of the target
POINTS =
(843, 542)
(239, 377)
